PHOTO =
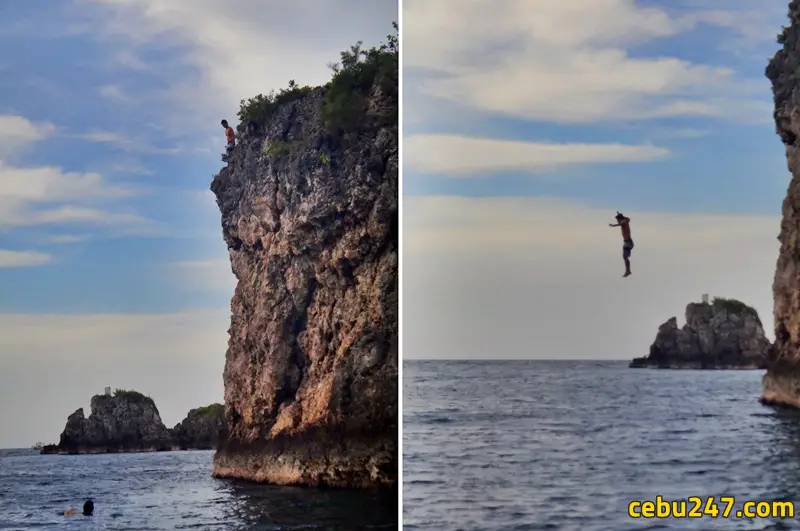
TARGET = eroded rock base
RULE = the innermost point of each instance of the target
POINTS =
(316, 459)
(781, 386)
(694, 366)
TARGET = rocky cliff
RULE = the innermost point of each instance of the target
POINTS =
(126, 422)
(201, 428)
(782, 380)
(309, 204)
(726, 334)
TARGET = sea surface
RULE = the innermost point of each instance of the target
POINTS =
(170, 491)
(567, 445)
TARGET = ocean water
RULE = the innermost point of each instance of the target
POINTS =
(170, 491)
(567, 445)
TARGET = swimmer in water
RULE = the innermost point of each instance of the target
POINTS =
(88, 509)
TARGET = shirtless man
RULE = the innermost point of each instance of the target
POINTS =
(230, 137)
(627, 243)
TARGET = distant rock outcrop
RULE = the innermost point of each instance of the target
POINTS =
(128, 421)
(726, 334)
(201, 428)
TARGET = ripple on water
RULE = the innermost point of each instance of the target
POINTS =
(169, 491)
(566, 445)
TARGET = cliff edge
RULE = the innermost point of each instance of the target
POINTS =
(126, 422)
(309, 204)
(726, 334)
(781, 384)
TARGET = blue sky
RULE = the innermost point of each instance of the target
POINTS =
(730, 162)
(527, 126)
(112, 265)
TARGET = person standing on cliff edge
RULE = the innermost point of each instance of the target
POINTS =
(230, 137)
(627, 243)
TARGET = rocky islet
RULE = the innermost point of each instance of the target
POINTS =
(723, 334)
(128, 421)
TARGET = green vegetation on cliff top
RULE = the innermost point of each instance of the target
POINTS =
(211, 410)
(345, 103)
(730, 305)
(734, 306)
(131, 395)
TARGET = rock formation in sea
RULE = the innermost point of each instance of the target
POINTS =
(725, 334)
(309, 204)
(128, 421)
(781, 384)
(201, 428)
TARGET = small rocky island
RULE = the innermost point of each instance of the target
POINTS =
(128, 421)
(723, 334)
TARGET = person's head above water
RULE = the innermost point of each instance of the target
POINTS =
(88, 508)
(224, 123)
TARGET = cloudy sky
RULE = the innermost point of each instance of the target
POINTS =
(112, 266)
(528, 124)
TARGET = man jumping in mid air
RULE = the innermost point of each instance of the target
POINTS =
(627, 242)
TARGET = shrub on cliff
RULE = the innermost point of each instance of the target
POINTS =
(345, 102)
(353, 78)
(131, 396)
(261, 107)
(734, 306)
(211, 410)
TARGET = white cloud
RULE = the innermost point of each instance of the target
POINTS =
(50, 365)
(113, 93)
(49, 195)
(64, 239)
(14, 259)
(211, 275)
(240, 48)
(17, 132)
(465, 156)
(686, 133)
(546, 63)
(541, 278)
(125, 143)
(131, 167)
(130, 60)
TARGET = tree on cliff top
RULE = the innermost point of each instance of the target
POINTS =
(132, 396)
(353, 79)
(346, 93)
(211, 410)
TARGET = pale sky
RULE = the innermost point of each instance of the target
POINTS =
(112, 265)
(528, 124)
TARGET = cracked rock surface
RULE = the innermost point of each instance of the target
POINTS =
(781, 383)
(715, 336)
(311, 368)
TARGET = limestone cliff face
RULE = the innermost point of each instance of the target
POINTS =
(201, 428)
(116, 424)
(782, 380)
(722, 335)
(311, 224)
